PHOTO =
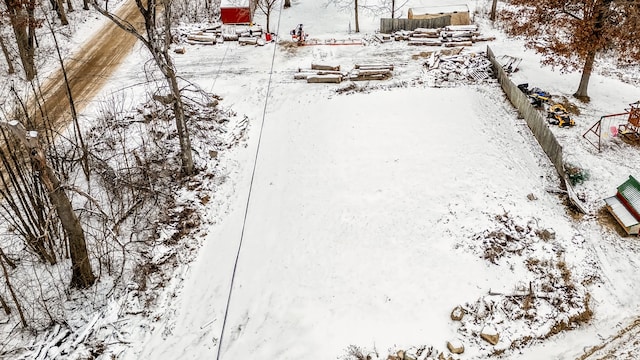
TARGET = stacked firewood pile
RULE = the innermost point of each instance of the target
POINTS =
(331, 73)
(245, 35)
(460, 68)
(449, 36)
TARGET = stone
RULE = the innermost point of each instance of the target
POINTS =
(456, 347)
(532, 197)
(457, 313)
(213, 154)
(490, 335)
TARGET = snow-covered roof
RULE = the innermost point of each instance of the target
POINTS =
(445, 9)
(630, 190)
(234, 3)
(621, 212)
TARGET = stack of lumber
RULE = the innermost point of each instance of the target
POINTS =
(449, 36)
(371, 72)
(245, 35)
(320, 73)
(461, 68)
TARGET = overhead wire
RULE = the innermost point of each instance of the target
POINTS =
(246, 210)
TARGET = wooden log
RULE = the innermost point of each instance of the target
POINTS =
(325, 67)
(483, 38)
(336, 79)
(230, 37)
(362, 72)
(457, 39)
(202, 38)
(368, 77)
(383, 37)
(427, 42)
(301, 76)
(461, 27)
(459, 34)
(328, 72)
(248, 41)
(374, 66)
(427, 31)
(192, 42)
(461, 43)
(420, 35)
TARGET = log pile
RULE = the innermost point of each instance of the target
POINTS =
(322, 73)
(245, 35)
(461, 68)
(448, 36)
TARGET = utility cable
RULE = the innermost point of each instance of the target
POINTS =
(246, 210)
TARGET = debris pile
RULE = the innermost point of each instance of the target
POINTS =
(449, 36)
(509, 63)
(537, 96)
(459, 68)
(331, 73)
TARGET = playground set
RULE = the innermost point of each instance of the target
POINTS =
(605, 127)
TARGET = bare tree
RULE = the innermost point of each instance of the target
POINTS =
(266, 6)
(81, 272)
(24, 24)
(395, 7)
(157, 41)
(356, 6)
(14, 297)
(58, 6)
(7, 56)
(494, 4)
(570, 34)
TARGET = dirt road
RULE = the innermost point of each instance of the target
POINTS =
(90, 67)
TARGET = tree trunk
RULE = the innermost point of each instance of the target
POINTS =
(23, 23)
(393, 9)
(586, 75)
(5, 51)
(181, 125)
(494, 4)
(85, 5)
(81, 274)
(62, 15)
(178, 106)
(5, 306)
(69, 6)
(357, 19)
(268, 14)
(600, 22)
(287, 4)
(14, 297)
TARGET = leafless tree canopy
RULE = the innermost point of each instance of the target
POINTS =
(569, 34)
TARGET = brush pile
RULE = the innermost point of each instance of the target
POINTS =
(461, 68)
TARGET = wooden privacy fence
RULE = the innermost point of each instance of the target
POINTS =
(536, 123)
(388, 26)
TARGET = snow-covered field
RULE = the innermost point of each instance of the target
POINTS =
(364, 218)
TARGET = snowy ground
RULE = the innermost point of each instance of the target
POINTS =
(365, 219)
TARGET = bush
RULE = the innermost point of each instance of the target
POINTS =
(576, 174)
